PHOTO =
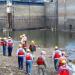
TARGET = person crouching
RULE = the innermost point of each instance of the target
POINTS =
(20, 53)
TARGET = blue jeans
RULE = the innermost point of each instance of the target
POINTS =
(4, 50)
(29, 66)
(56, 61)
(10, 51)
(20, 62)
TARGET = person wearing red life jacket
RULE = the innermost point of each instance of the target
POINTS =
(4, 44)
(41, 62)
(55, 57)
(10, 46)
(1, 43)
(64, 69)
(62, 58)
(32, 47)
(29, 62)
(21, 54)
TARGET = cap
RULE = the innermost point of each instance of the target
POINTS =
(28, 50)
(20, 45)
(0, 38)
(32, 42)
(9, 37)
(56, 47)
(43, 52)
(4, 38)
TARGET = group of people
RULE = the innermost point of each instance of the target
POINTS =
(61, 62)
(7, 45)
(25, 54)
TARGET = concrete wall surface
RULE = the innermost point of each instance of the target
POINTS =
(32, 16)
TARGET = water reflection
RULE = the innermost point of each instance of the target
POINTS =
(44, 38)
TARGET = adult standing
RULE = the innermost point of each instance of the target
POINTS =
(10, 46)
(32, 47)
(29, 62)
(20, 53)
(62, 58)
(4, 44)
(42, 63)
(55, 57)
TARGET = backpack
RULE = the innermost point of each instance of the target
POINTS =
(28, 57)
(57, 55)
(64, 72)
(40, 61)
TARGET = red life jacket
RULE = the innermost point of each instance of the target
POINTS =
(1, 43)
(28, 57)
(57, 55)
(4, 43)
(60, 62)
(64, 72)
(10, 44)
(20, 53)
(40, 61)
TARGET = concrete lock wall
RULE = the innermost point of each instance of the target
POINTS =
(51, 14)
(28, 16)
(23, 16)
(2, 16)
(33, 16)
(66, 13)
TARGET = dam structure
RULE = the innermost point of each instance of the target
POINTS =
(36, 14)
